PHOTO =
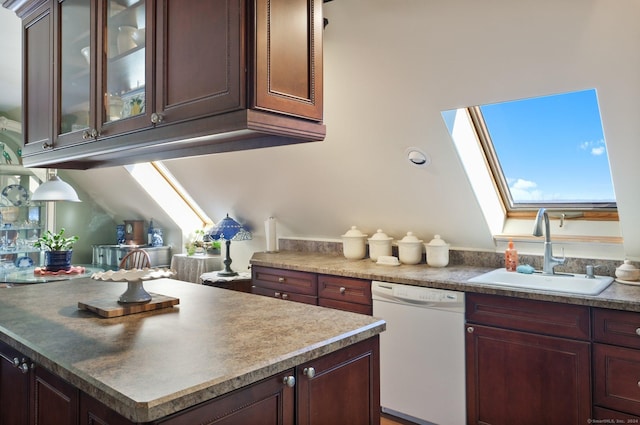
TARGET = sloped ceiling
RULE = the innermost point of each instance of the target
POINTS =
(391, 67)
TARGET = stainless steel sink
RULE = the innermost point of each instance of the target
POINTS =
(561, 282)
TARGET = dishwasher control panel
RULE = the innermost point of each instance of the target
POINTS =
(409, 294)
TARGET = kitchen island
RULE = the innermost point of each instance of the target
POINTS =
(151, 365)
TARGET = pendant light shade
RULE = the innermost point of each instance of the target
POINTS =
(55, 190)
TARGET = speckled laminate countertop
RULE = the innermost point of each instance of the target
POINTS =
(149, 365)
(617, 296)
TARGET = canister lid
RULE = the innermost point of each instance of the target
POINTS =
(627, 266)
(436, 241)
(354, 233)
(410, 238)
(380, 236)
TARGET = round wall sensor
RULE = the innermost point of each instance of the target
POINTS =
(417, 157)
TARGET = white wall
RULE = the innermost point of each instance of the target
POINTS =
(391, 67)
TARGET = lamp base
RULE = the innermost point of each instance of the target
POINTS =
(225, 273)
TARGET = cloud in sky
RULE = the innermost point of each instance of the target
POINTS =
(524, 190)
(596, 148)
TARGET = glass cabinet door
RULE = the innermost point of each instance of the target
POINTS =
(75, 61)
(124, 70)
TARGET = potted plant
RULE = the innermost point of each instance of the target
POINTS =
(58, 250)
(202, 244)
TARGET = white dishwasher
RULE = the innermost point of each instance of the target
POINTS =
(422, 367)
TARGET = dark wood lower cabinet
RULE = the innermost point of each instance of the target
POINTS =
(55, 400)
(15, 386)
(517, 376)
(520, 378)
(339, 388)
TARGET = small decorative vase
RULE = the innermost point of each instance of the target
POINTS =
(55, 261)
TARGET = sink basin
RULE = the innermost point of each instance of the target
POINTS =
(564, 282)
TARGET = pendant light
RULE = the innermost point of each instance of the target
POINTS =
(55, 190)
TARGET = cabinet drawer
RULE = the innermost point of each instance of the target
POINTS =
(616, 378)
(344, 289)
(284, 295)
(616, 327)
(285, 280)
(346, 306)
(542, 317)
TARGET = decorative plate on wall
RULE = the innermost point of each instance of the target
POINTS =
(17, 194)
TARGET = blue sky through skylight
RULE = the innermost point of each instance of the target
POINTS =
(552, 148)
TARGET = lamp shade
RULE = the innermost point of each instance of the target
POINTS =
(230, 230)
(55, 190)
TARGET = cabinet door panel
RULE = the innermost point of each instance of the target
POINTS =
(288, 57)
(268, 402)
(517, 377)
(38, 84)
(616, 378)
(345, 388)
(55, 400)
(14, 388)
(200, 66)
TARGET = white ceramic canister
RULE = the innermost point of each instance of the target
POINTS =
(437, 252)
(379, 245)
(410, 249)
(627, 271)
(354, 244)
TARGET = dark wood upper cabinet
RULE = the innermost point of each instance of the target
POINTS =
(113, 82)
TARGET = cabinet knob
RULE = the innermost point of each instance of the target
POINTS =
(470, 329)
(24, 368)
(47, 145)
(309, 372)
(281, 279)
(285, 296)
(637, 331)
(156, 118)
(289, 381)
(16, 361)
(277, 295)
(343, 290)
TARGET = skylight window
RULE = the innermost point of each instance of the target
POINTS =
(543, 152)
(156, 180)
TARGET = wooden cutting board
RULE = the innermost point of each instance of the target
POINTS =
(109, 307)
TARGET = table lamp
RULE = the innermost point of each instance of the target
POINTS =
(229, 230)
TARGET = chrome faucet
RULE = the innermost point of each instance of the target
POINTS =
(549, 260)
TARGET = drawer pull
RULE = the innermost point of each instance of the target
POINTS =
(285, 296)
(277, 295)
(637, 331)
(281, 279)
(343, 290)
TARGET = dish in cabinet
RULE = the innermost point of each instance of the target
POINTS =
(16, 194)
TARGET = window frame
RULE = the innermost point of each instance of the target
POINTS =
(573, 210)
